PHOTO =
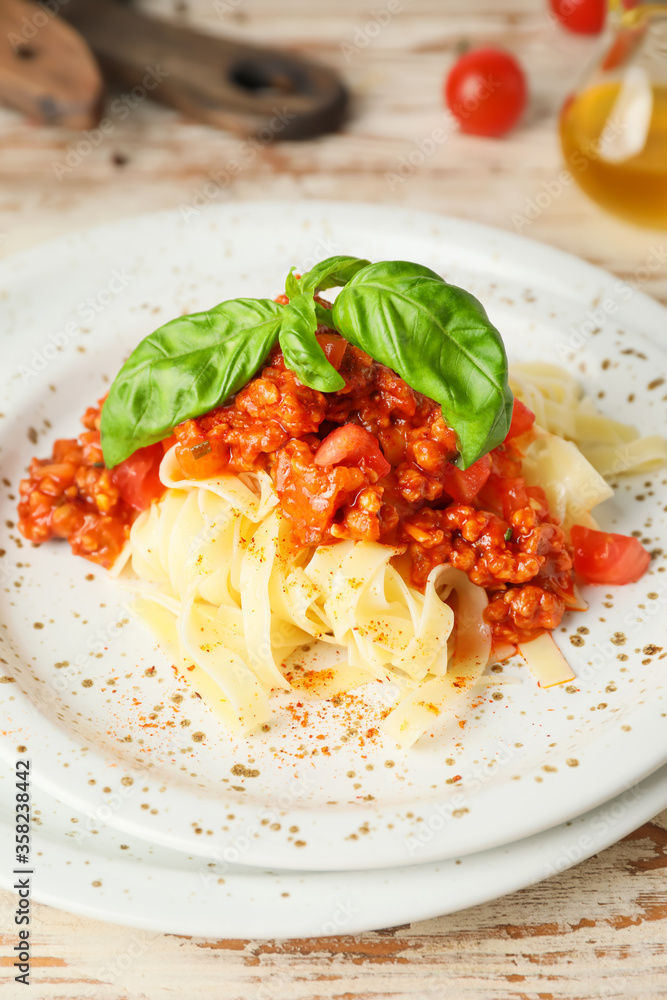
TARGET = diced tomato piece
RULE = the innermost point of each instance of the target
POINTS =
(309, 494)
(504, 494)
(138, 479)
(463, 485)
(352, 445)
(522, 420)
(601, 557)
(195, 453)
(333, 346)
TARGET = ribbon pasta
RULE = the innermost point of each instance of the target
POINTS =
(217, 581)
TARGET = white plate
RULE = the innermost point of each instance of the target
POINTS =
(104, 875)
(527, 761)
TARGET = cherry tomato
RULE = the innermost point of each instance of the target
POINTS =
(585, 17)
(486, 92)
(464, 484)
(600, 557)
(137, 478)
(352, 445)
(522, 420)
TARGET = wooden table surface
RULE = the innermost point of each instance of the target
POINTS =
(598, 930)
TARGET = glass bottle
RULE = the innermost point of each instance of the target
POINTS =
(613, 129)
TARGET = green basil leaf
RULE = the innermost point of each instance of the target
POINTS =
(330, 273)
(439, 339)
(323, 316)
(301, 350)
(298, 342)
(184, 369)
(292, 284)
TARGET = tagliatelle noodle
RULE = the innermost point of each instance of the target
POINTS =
(214, 556)
(571, 484)
(560, 407)
(223, 589)
(546, 661)
(418, 710)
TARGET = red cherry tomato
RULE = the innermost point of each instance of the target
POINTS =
(464, 484)
(585, 17)
(352, 445)
(522, 420)
(600, 557)
(486, 92)
(137, 478)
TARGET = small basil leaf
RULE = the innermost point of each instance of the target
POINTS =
(292, 285)
(439, 339)
(184, 369)
(331, 273)
(301, 350)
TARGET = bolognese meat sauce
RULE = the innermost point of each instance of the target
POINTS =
(73, 495)
(372, 461)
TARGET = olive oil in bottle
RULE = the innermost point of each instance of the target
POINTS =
(614, 129)
(634, 188)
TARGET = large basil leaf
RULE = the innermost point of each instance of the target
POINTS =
(301, 350)
(439, 339)
(184, 369)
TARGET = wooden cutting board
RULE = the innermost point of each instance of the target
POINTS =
(228, 83)
(52, 71)
(47, 71)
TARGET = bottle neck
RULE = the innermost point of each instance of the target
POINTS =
(635, 13)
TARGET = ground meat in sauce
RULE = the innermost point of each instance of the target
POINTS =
(504, 539)
(72, 495)
(277, 425)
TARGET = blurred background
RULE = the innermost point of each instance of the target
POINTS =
(119, 152)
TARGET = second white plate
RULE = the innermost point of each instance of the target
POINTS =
(103, 875)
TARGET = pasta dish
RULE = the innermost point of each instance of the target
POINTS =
(369, 475)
